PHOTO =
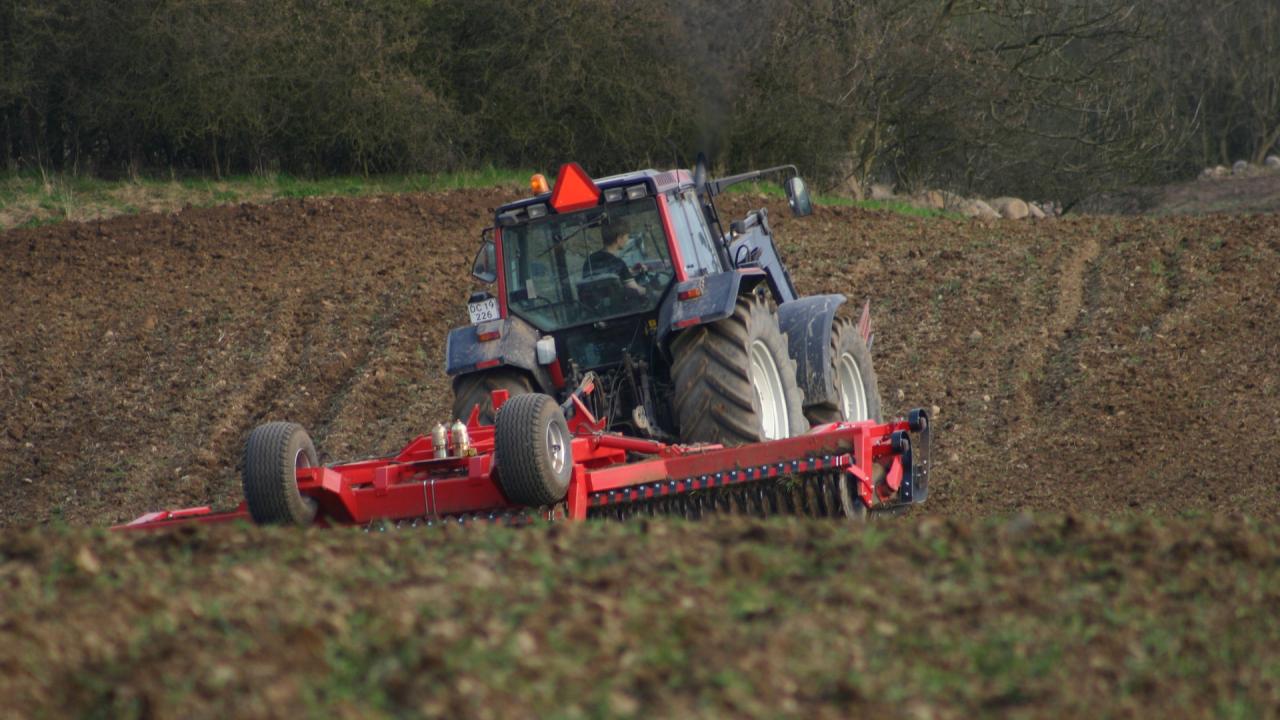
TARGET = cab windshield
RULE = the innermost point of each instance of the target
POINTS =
(566, 270)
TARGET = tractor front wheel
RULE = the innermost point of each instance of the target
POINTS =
(734, 381)
(273, 455)
(533, 450)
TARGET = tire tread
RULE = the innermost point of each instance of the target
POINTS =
(270, 483)
(524, 464)
(713, 396)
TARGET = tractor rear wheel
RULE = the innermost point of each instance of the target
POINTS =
(734, 381)
(273, 454)
(854, 377)
(533, 450)
(474, 388)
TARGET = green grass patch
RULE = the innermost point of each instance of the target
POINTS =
(898, 207)
(31, 199)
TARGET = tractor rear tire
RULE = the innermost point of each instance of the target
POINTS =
(533, 450)
(717, 371)
(273, 454)
(474, 388)
(854, 378)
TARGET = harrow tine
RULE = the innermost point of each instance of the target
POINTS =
(821, 507)
(722, 504)
(755, 500)
(837, 506)
(817, 508)
(804, 496)
(789, 499)
(824, 491)
(769, 500)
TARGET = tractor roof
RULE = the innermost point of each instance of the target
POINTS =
(658, 181)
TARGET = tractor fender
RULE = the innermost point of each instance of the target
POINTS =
(807, 321)
(465, 353)
(717, 295)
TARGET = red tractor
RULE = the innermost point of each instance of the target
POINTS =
(637, 357)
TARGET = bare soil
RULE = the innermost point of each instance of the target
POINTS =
(1100, 365)
(1119, 378)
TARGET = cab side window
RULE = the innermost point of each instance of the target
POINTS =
(701, 233)
(699, 254)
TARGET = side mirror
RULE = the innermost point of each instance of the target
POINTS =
(798, 196)
(485, 267)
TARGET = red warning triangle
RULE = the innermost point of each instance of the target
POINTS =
(574, 189)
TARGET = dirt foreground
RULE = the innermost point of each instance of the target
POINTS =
(929, 619)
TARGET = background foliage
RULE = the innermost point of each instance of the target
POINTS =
(1034, 97)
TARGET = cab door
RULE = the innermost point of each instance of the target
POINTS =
(697, 248)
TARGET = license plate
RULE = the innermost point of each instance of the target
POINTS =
(483, 311)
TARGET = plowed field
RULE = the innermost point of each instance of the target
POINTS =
(1097, 365)
(1116, 378)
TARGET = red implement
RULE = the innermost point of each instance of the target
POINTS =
(882, 465)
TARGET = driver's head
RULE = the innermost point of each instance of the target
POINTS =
(615, 234)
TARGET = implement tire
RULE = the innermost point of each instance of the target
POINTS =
(473, 389)
(533, 450)
(272, 456)
(734, 381)
(854, 378)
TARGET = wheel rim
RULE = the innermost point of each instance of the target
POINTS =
(300, 461)
(557, 447)
(767, 382)
(853, 394)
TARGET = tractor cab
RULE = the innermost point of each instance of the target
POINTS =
(593, 262)
(592, 251)
(564, 270)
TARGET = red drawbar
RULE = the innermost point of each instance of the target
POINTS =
(557, 375)
(574, 189)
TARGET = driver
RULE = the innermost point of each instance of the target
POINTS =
(608, 261)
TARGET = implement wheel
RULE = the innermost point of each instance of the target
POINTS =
(850, 506)
(533, 450)
(474, 388)
(857, 390)
(273, 455)
(735, 383)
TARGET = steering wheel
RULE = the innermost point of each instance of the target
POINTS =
(649, 273)
(537, 301)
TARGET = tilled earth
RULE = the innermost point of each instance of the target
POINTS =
(1107, 399)
(1099, 365)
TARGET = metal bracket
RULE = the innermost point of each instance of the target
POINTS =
(915, 459)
